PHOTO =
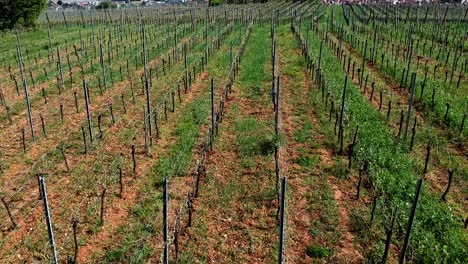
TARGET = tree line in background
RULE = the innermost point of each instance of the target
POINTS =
(20, 13)
(24, 13)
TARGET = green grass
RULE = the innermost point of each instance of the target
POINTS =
(324, 226)
(445, 92)
(175, 162)
(438, 236)
(252, 148)
(393, 171)
(254, 141)
(315, 251)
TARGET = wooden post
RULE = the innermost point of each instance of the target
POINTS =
(156, 127)
(365, 83)
(100, 86)
(185, 69)
(7, 207)
(173, 101)
(190, 205)
(178, 93)
(450, 177)
(84, 140)
(120, 181)
(381, 100)
(402, 116)
(145, 128)
(25, 86)
(282, 220)
(433, 96)
(44, 95)
(410, 221)
(59, 65)
(351, 147)
(277, 121)
(176, 238)
(446, 113)
(388, 111)
(112, 113)
(340, 131)
(426, 163)
(32, 78)
(413, 133)
(212, 114)
(147, 86)
(133, 159)
(43, 190)
(320, 57)
(410, 54)
(16, 85)
(88, 112)
(103, 68)
(277, 108)
(61, 113)
(101, 134)
(101, 216)
(62, 150)
(165, 222)
(389, 233)
(130, 79)
(23, 139)
(402, 78)
(462, 123)
(123, 103)
(230, 56)
(76, 101)
(363, 64)
(410, 103)
(75, 240)
(43, 125)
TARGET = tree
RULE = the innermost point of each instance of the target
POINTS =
(104, 5)
(20, 12)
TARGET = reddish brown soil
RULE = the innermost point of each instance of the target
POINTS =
(302, 219)
(235, 228)
(121, 211)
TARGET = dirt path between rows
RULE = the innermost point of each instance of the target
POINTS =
(295, 101)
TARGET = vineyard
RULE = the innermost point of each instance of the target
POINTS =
(280, 132)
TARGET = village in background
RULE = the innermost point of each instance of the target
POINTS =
(90, 4)
(97, 4)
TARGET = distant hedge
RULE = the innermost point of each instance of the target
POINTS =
(20, 12)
